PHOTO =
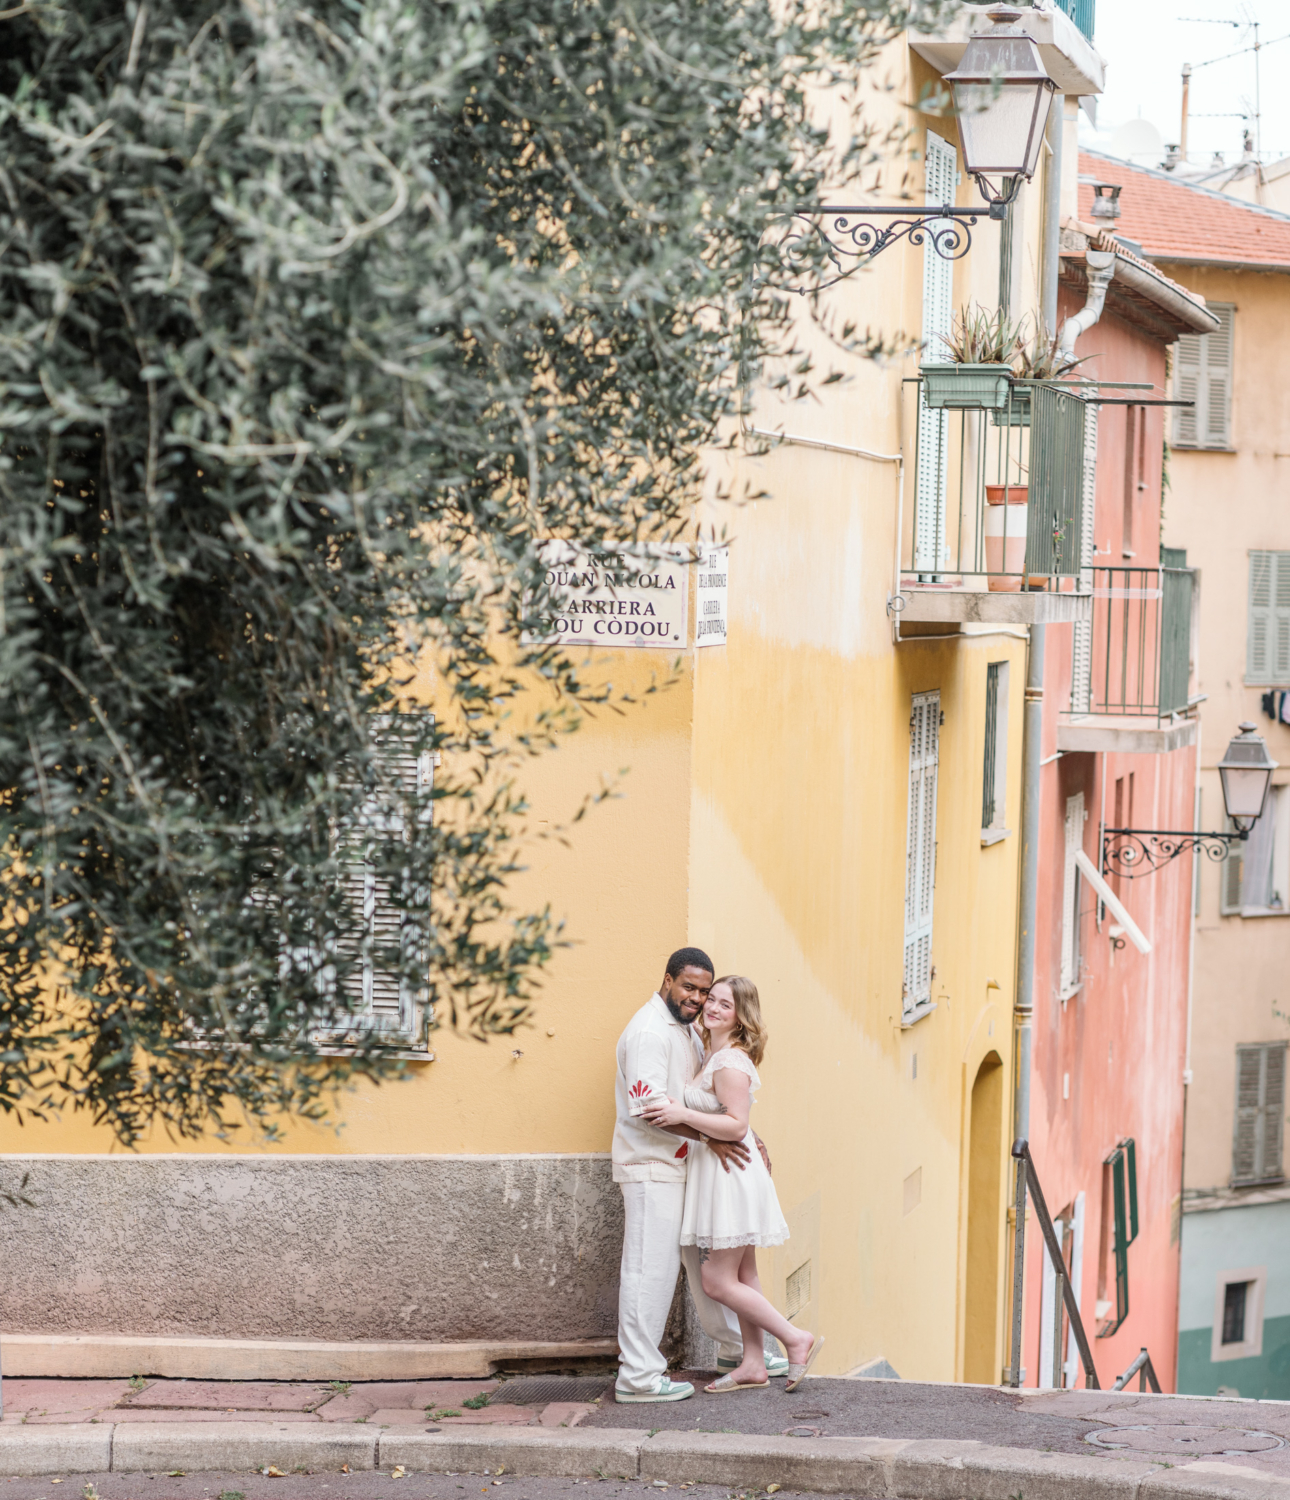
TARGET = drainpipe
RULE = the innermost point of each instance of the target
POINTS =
(1101, 268)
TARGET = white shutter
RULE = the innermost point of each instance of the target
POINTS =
(1268, 635)
(375, 995)
(1070, 894)
(920, 866)
(1187, 419)
(1082, 641)
(1260, 1109)
(1203, 374)
(1217, 431)
(930, 547)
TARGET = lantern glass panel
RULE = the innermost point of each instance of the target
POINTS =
(1002, 126)
(1245, 790)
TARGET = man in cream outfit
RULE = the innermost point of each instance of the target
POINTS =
(658, 1055)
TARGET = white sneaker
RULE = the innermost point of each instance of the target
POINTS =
(666, 1390)
(776, 1365)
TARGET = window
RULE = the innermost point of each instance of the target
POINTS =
(376, 996)
(1203, 374)
(1119, 1230)
(1267, 650)
(994, 789)
(920, 869)
(1256, 872)
(931, 550)
(1070, 976)
(1238, 1314)
(1258, 1129)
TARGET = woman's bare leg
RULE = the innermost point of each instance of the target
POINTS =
(723, 1280)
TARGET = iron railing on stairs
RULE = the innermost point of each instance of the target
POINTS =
(1140, 646)
(1144, 1370)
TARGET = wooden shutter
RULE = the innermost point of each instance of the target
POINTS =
(930, 548)
(1260, 1110)
(376, 997)
(920, 869)
(1070, 894)
(1217, 431)
(1268, 632)
(1203, 374)
(1233, 872)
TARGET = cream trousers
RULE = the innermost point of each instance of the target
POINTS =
(652, 1259)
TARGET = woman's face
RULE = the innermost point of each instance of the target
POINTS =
(719, 1010)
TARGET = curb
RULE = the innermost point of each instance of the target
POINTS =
(866, 1468)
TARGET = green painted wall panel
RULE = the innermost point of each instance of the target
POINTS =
(1265, 1378)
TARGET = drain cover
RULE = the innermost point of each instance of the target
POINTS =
(537, 1390)
(802, 1432)
(1195, 1442)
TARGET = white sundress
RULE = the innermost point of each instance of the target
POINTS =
(726, 1209)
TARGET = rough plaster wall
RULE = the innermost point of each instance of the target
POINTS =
(340, 1247)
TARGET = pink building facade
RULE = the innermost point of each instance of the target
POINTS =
(1118, 751)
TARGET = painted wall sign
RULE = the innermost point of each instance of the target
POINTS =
(710, 616)
(623, 597)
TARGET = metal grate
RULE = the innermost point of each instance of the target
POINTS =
(537, 1390)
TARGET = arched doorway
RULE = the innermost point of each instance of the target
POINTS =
(981, 1361)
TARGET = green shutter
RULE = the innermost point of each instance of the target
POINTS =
(1267, 656)
(1131, 1160)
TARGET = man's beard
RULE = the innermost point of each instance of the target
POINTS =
(677, 1014)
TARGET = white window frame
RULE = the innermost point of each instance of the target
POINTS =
(1203, 365)
(920, 855)
(1070, 981)
(994, 773)
(1251, 1347)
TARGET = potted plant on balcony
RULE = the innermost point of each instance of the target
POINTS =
(982, 346)
(1041, 359)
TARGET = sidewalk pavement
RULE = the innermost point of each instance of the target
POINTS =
(898, 1440)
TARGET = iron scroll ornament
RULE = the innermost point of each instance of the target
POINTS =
(1134, 852)
(852, 234)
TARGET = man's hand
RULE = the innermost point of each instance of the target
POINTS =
(730, 1151)
(765, 1155)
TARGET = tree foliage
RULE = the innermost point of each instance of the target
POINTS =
(315, 317)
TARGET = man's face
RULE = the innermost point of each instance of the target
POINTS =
(684, 995)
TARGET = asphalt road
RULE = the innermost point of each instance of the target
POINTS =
(859, 1408)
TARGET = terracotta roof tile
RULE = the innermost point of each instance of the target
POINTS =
(1173, 220)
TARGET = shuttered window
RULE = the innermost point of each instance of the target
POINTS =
(376, 997)
(1070, 974)
(1267, 654)
(994, 791)
(1260, 1112)
(931, 551)
(920, 869)
(1203, 374)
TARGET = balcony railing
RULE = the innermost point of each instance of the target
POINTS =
(1133, 659)
(998, 494)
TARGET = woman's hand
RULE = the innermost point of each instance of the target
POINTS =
(664, 1113)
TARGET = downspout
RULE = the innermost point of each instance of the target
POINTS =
(1101, 268)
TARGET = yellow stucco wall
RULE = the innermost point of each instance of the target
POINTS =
(763, 814)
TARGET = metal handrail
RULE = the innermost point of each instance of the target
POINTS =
(1026, 1173)
(1144, 1370)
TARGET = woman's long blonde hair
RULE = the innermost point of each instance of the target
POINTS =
(750, 1034)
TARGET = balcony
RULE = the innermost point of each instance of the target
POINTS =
(1131, 668)
(995, 530)
(1063, 34)
(1082, 12)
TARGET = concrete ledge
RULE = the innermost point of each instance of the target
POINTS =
(54, 1449)
(828, 1466)
(1128, 736)
(541, 1453)
(934, 1470)
(138, 1447)
(1215, 1482)
(1039, 608)
(112, 1358)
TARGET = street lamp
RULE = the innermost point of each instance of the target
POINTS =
(1002, 95)
(1246, 773)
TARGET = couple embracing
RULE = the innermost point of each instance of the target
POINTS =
(696, 1185)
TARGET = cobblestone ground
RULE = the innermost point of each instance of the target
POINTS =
(1169, 1429)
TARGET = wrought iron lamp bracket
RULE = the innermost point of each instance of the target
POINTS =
(1134, 852)
(857, 234)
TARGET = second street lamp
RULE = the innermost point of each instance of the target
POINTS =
(1246, 773)
(1002, 95)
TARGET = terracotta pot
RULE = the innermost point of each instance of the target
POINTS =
(1005, 536)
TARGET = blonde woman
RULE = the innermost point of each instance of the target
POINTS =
(728, 1214)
